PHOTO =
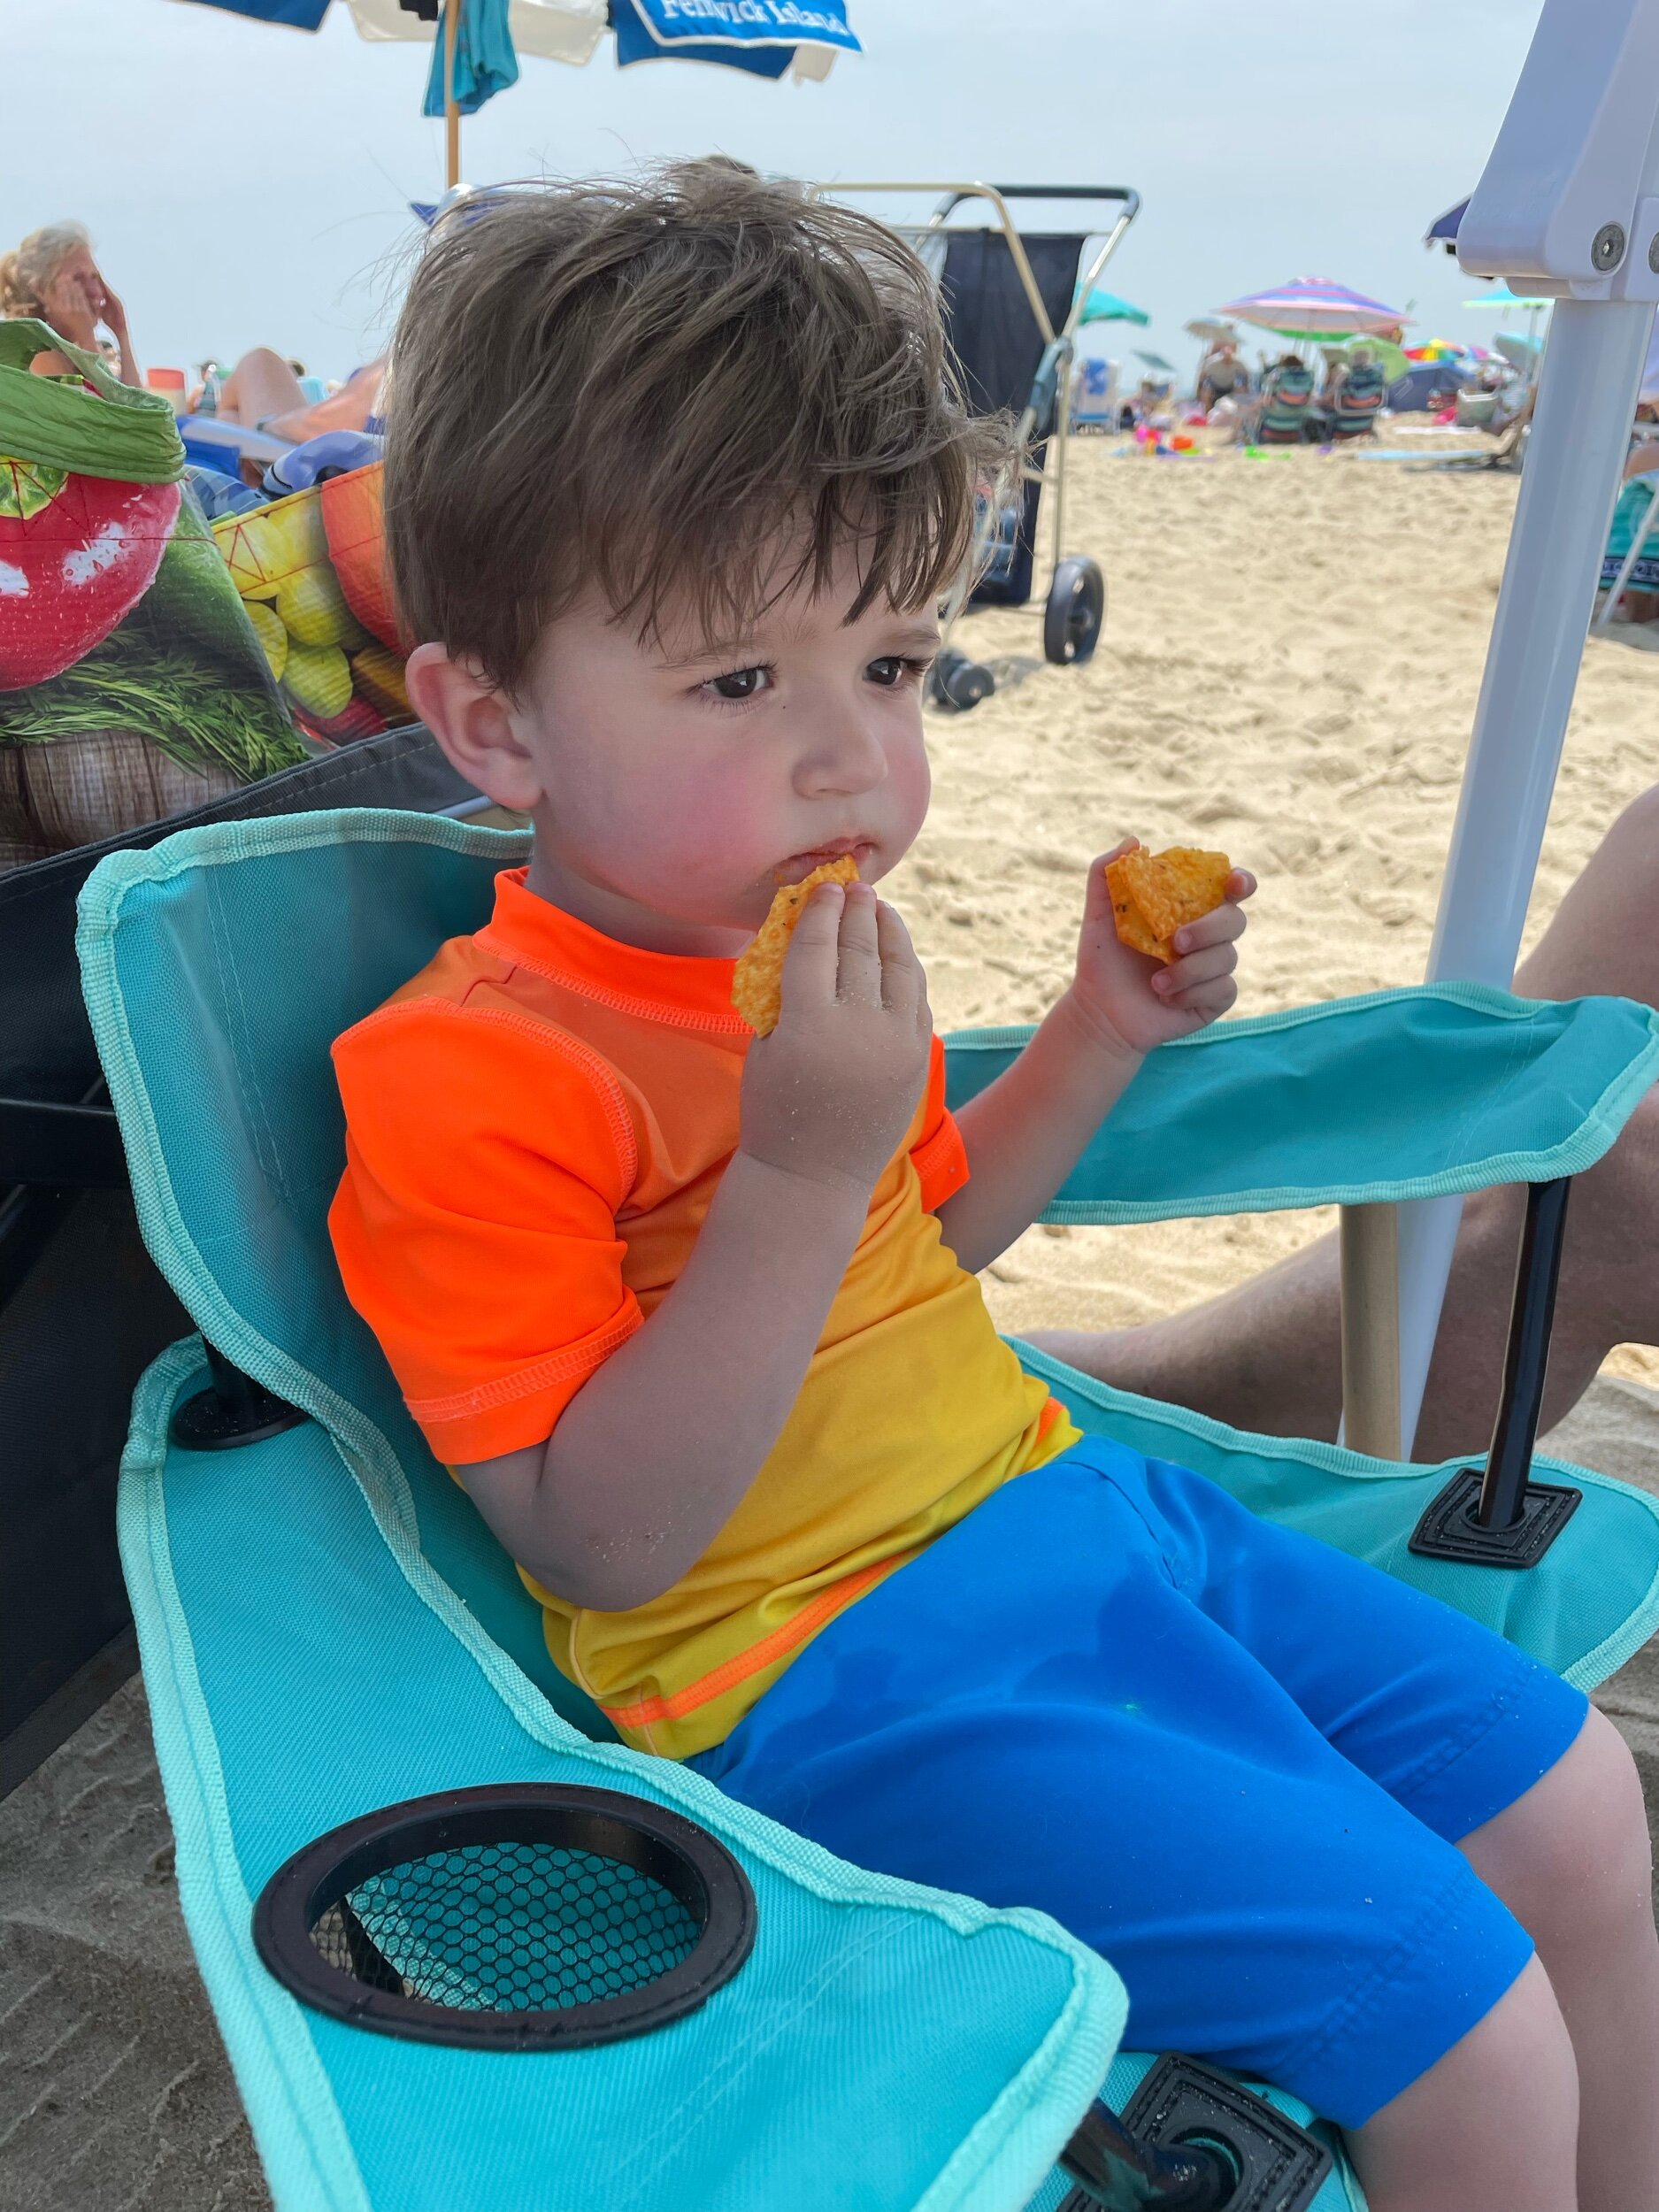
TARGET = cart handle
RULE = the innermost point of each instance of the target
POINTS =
(999, 195)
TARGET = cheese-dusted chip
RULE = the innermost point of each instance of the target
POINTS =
(1154, 894)
(758, 981)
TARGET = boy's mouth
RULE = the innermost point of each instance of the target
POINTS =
(799, 864)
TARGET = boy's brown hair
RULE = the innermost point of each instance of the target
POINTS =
(638, 387)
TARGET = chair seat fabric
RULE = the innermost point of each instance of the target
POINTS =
(327, 1627)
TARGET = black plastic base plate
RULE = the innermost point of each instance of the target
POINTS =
(208, 1423)
(1448, 1529)
(1281, 2167)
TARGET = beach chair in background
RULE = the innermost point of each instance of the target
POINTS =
(1013, 304)
(1628, 565)
(1361, 390)
(1288, 414)
(463, 1948)
(173, 386)
(1095, 398)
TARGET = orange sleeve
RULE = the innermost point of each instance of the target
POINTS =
(486, 1156)
(938, 1153)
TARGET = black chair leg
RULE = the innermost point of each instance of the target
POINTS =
(1501, 1517)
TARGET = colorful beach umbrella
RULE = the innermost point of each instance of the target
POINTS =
(1106, 307)
(476, 43)
(1314, 307)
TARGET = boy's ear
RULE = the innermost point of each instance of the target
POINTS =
(472, 723)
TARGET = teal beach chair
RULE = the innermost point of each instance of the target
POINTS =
(328, 1631)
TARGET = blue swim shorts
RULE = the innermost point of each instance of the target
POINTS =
(1230, 1758)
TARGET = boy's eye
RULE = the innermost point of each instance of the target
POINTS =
(892, 669)
(740, 683)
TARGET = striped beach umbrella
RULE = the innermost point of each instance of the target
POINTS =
(1314, 307)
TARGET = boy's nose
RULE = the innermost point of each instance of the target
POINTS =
(843, 753)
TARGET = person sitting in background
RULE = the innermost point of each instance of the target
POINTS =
(53, 277)
(263, 393)
(1355, 395)
(1221, 375)
(1289, 413)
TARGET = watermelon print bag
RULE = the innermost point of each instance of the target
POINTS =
(132, 684)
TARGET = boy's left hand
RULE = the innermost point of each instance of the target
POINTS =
(1132, 1002)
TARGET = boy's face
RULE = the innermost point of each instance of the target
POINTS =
(675, 782)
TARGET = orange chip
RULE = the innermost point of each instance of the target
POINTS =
(758, 981)
(1154, 894)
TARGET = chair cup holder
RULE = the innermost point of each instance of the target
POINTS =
(523, 1916)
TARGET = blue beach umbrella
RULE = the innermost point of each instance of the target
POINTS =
(476, 43)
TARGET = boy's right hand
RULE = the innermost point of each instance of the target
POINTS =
(828, 1095)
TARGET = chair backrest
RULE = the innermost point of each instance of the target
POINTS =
(218, 1066)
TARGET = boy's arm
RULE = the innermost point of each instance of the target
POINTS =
(655, 1452)
(1024, 1133)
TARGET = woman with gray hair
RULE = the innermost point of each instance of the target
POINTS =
(52, 275)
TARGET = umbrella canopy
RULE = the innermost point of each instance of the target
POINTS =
(1155, 362)
(1389, 357)
(1213, 333)
(476, 43)
(1313, 307)
(1106, 307)
(1501, 295)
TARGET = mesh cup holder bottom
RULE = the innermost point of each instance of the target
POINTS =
(520, 1916)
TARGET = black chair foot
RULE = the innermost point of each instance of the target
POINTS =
(1192, 2140)
(232, 1410)
(1450, 1528)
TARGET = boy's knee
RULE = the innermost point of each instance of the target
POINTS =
(1578, 1857)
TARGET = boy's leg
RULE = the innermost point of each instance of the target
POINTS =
(1538, 1793)
(1267, 1355)
(1572, 1861)
(1047, 1708)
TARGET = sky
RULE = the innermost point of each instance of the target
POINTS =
(246, 185)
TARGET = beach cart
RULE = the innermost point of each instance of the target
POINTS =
(1013, 302)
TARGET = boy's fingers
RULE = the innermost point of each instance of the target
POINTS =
(1224, 925)
(1208, 999)
(1207, 966)
(859, 975)
(809, 966)
(903, 986)
(1240, 885)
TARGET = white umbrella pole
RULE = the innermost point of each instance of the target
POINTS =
(1575, 458)
(1568, 206)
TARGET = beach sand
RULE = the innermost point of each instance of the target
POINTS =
(1292, 651)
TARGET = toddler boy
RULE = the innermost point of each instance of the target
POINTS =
(677, 473)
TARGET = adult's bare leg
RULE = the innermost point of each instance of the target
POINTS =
(1267, 1355)
(260, 385)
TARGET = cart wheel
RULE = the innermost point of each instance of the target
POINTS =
(959, 683)
(1076, 612)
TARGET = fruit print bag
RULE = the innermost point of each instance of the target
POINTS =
(132, 685)
(312, 573)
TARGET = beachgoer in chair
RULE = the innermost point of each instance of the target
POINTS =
(1355, 397)
(1222, 375)
(263, 392)
(692, 1310)
(52, 276)
(1289, 415)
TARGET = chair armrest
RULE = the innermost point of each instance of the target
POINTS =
(1411, 1094)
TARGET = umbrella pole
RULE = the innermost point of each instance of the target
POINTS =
(451, 111)
(1575, 456)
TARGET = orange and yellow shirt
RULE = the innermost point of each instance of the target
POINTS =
(535, 1126)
